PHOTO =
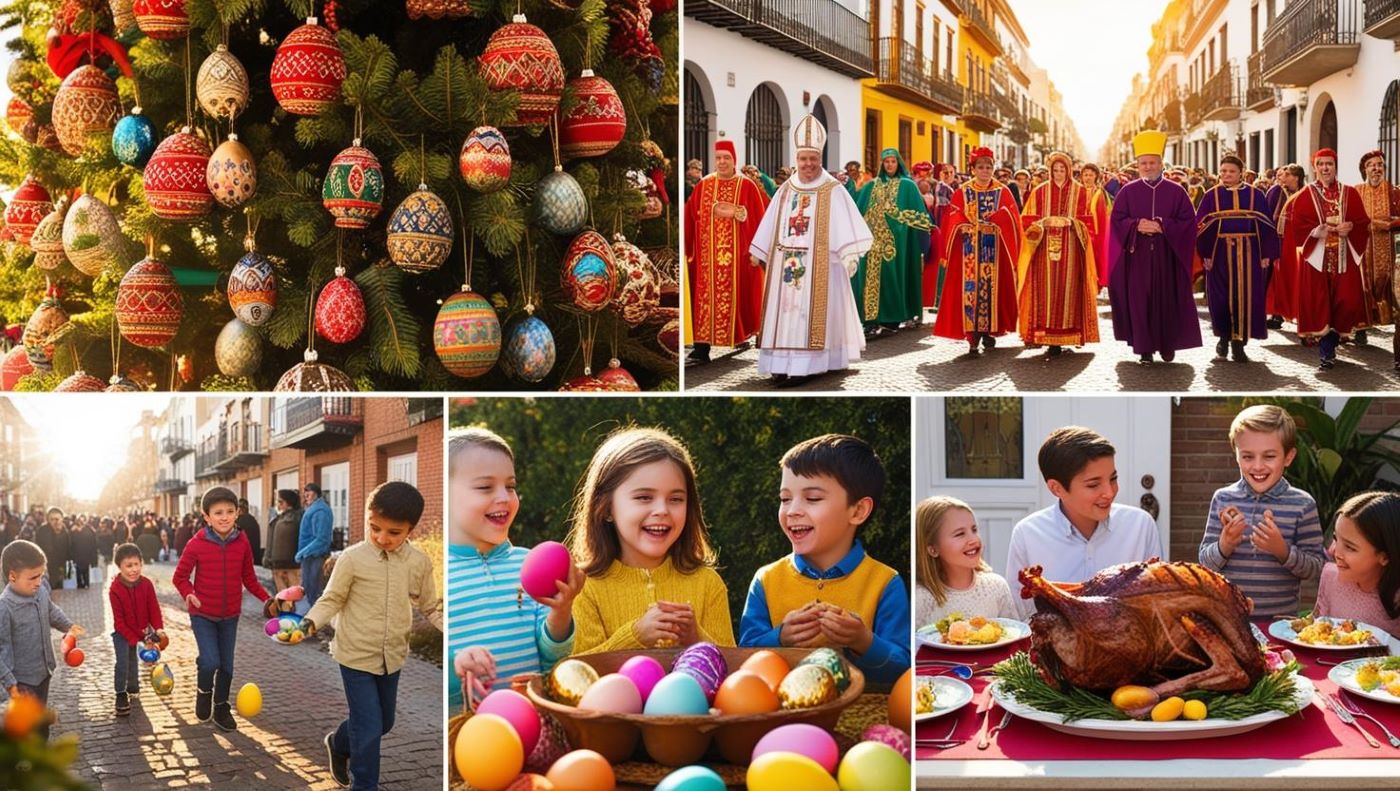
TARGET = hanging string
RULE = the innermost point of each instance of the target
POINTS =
(359, 122)
(554, 141)
(250, 241)
(116, 350)
(587, 340)
(174, 364)
(422, 164)
(531, 274)
(189, 98)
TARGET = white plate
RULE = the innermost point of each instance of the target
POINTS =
(1284, 632)
(1139, 730)
(1344, 676)
(1015, 630)
(949, 695)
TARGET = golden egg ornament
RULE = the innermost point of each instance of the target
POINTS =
(832, 661)
(238, 349)
(47, 240)
(568, 681)
(807, 686)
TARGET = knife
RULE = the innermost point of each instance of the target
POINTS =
(984, 739)
(1344, 716)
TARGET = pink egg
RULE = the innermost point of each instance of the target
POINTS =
(273, 626)
(517, 710)
(547, 563)
(889, 736)
(803, 739)
(644, 672)
(613, 693)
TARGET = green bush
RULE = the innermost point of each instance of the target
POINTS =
(736, 444)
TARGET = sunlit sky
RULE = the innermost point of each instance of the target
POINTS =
(86, 436)
(1092, 49)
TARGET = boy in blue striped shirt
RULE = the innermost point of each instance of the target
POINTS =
(1262, 533)
(495, 630)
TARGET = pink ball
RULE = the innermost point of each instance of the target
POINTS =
(517, 710)
(644, 672)
(803, 739)
(889, 736)
(546, 563)
(273, 626)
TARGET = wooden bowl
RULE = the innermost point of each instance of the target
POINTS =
(683, 740)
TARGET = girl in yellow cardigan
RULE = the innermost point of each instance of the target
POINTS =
(640, 537)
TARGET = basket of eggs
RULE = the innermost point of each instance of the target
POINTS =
(678, 703)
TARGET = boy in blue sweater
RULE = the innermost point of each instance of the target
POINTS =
(27, 657)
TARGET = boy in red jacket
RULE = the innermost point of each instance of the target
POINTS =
(135, 611)
(221, 560)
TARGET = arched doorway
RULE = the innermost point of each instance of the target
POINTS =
(697, 122)
(764, 130)
(819, 113)
(1327, 129)
(1389, 137)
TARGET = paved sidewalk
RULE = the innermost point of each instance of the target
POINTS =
(161, 745)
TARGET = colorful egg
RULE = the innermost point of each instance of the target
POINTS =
(645, 672)
(467, 334)
(587, 383)
(832, 661)
(273, 626)
(238, 349)
(149, 305)
(485, 159)
(901, 702)
(92, 238)
(545, 564)
(614, 693)
(619, 379)
(177, 187)
(676, 694)
(13, 367)
(80, 382)
(639, 287)
(597, 121)
(809, 741)
(520, 57)
(252, 289)
(552, 745)
(871, 766)
(46, 326)
(744, 692)
(589, 275)
(517, 710)
(889, 736)
(18, 114)
(30, 205)
(569, 679)
(807, 686)
(86, 103)
(582, 770)
(134, 139)
(420, 232)
(149, 655)
(308, 70)
(353, 191)
(704, 663)
(313, 377)
(692, 778)
(123, 18)
(488, 753)
(788, 771)
(222, 84)
(529, 351)
(340, 310)
(47, 240)
(162, 680)
(232, 175)
(249, 701)
(560, 205)
(161, 19)
(768, 665)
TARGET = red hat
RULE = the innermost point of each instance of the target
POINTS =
(1368, 156)
(1324, 152)
(724, 144)
(979, 153)
(922, 167)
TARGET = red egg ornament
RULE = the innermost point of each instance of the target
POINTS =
(176, 178)
(30, 205)
(520, 57)
(596, 123)
(81, 382)
(308, 70)
(149, 304)
(161, 19)
(14, 367)
(18, 114)
(618, 379)
(340, 309)
(86, 103)
(589, 274)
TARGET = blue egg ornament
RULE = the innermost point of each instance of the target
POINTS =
(134, 139)
(529, 351)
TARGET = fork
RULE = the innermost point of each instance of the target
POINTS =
(1345, 717)
(945, 742)
(1355, 708)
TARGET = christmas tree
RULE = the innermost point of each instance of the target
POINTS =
(349, 156)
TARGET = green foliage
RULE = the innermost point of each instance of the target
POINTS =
(31, 764)
(1335, 458)
(736, 444)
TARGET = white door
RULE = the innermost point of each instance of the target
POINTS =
(335, 487)
(253, 493)
(288, 480)
(984, 453)
(404, 468)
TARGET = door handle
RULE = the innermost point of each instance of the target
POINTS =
(1148, 502)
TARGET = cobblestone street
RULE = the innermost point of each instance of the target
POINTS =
(915, 361)
(161, 745)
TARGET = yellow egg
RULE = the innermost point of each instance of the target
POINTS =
(249, 700)
(488, 752)
(1194, 710)
(1168, 710)
(769, 666)
(582, 770)
(745, 692)
(788, 772)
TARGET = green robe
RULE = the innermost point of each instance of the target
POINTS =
(888, 282)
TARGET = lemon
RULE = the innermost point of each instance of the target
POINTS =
(1133, 697)
(1194, 710)
(1168, 710)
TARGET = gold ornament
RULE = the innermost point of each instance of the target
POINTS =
(569, 680)
(807, 686)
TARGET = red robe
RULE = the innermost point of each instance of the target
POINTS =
(1282, 298)
(1058, 272)
(1096, 220)
(726, 292)
(982, 243)
(1333, 298)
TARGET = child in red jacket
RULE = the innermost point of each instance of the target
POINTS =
(221, 560)
(135, 612)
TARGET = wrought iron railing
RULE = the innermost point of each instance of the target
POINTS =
(823, 25)
(1308, 24)
(979, 104)
(1221, 91)
(299, 413)
(1380, 10)
(174, 444)
(982, 24)
(901, 64)
(1258, 91)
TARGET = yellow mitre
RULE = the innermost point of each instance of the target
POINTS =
(1150, 142)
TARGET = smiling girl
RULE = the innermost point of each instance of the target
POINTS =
(953, 576)
(640, 537)
(1363, 583)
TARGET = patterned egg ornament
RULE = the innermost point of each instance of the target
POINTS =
(529, 351)
(420, 232)
(467, 334)
(834, 664)
(47, 326)
(149, 304)
(589, 275)
(639, 288)
(353, 191)
(308, 70)
(165, 20)
(47, 240)
(86, 103)
(485, 159)
(232, 175)
(252, 289)
(222, 84)
(176, 178)
(619, 379)
(520, 57)
(313, 377)
(121, 384)
(669, 337)
(704, 663)
(560, 205)
(340, 309)
(81, 382)
(18, 114)
(14, 367)
(92, 238)
(123, 18)
(597, 121)
(162, 680)
(569, 679)
(807, 686)
(134, 139)
(27, 208)
(238, 349)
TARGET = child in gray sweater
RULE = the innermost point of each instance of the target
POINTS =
(27, 658)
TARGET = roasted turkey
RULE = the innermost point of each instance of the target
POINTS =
(1173, 627)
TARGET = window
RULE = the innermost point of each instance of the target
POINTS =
(1254, 29)
(906, 139)
(1389, 138)
(335, 488)
(253, 493)
(764, 131)
(819, 113)
(697, 123)
(919, 31)
(404, 468)
(872, 140)
(949, 49)
(1224, 44)
(1269, 148)
(983, 438)
(287, 480)
(937, 45)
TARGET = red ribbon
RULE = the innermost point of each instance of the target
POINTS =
(68, 52)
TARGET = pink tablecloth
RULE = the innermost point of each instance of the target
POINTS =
(1309, 734)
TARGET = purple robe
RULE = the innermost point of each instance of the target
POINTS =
(1235, 232)
(1149, 286)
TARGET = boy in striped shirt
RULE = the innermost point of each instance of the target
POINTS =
(1262, 533)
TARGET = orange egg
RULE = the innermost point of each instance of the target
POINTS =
(582, 770)
(902, 702)
(769, 666)
(745, 692)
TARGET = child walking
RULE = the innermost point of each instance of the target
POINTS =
(135, 612)
(953, 575)
(27, 614)
(1363, 582)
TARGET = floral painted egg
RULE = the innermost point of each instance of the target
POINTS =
(46, 326)
(86, 103)
(232, 175)
(520, 57)
(161, 19)
(588, 383)
(14, 367)
(618, 379)
(340, 309)
(353, 191)
(47, 239)
(596, 123)
(529, 351)
(149, 305)
(485, 159)
(308, 70)
(589, 275)
(222, 84)
(18, 114)
(92, 238)
(134, 139)
(560, 205)
(832, 661)
(81, 382)
(27, 208)
(313, 377)
(238, 349)
(176, 182)
(639, 288)
(467, 334)
(420, 232)
(704, 663)
(252, 289)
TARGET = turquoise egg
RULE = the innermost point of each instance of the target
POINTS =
(134, 139)
(692, 778)
(529, 351)
(676, 694)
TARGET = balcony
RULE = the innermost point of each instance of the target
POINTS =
(979, 112)
(973, 21)
(1259, 95)
(1383, 19)
(1171, 118)
(316, 423)
(903, 72)
(421, 410)
(955, 6)
(168, 485)
(242, 445)
(1313, 39)
(175, 446)
(1220, 96)
(207, 458)
(821, 31)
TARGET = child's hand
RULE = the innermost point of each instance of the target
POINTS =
(270, 608)
(845, 629)
(480, 664)
(1232, 526)
(684, 615)
(656, 627)
(76, 631)
(193, 601)
(561, 605)
(1269, 538)
(801, 626)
